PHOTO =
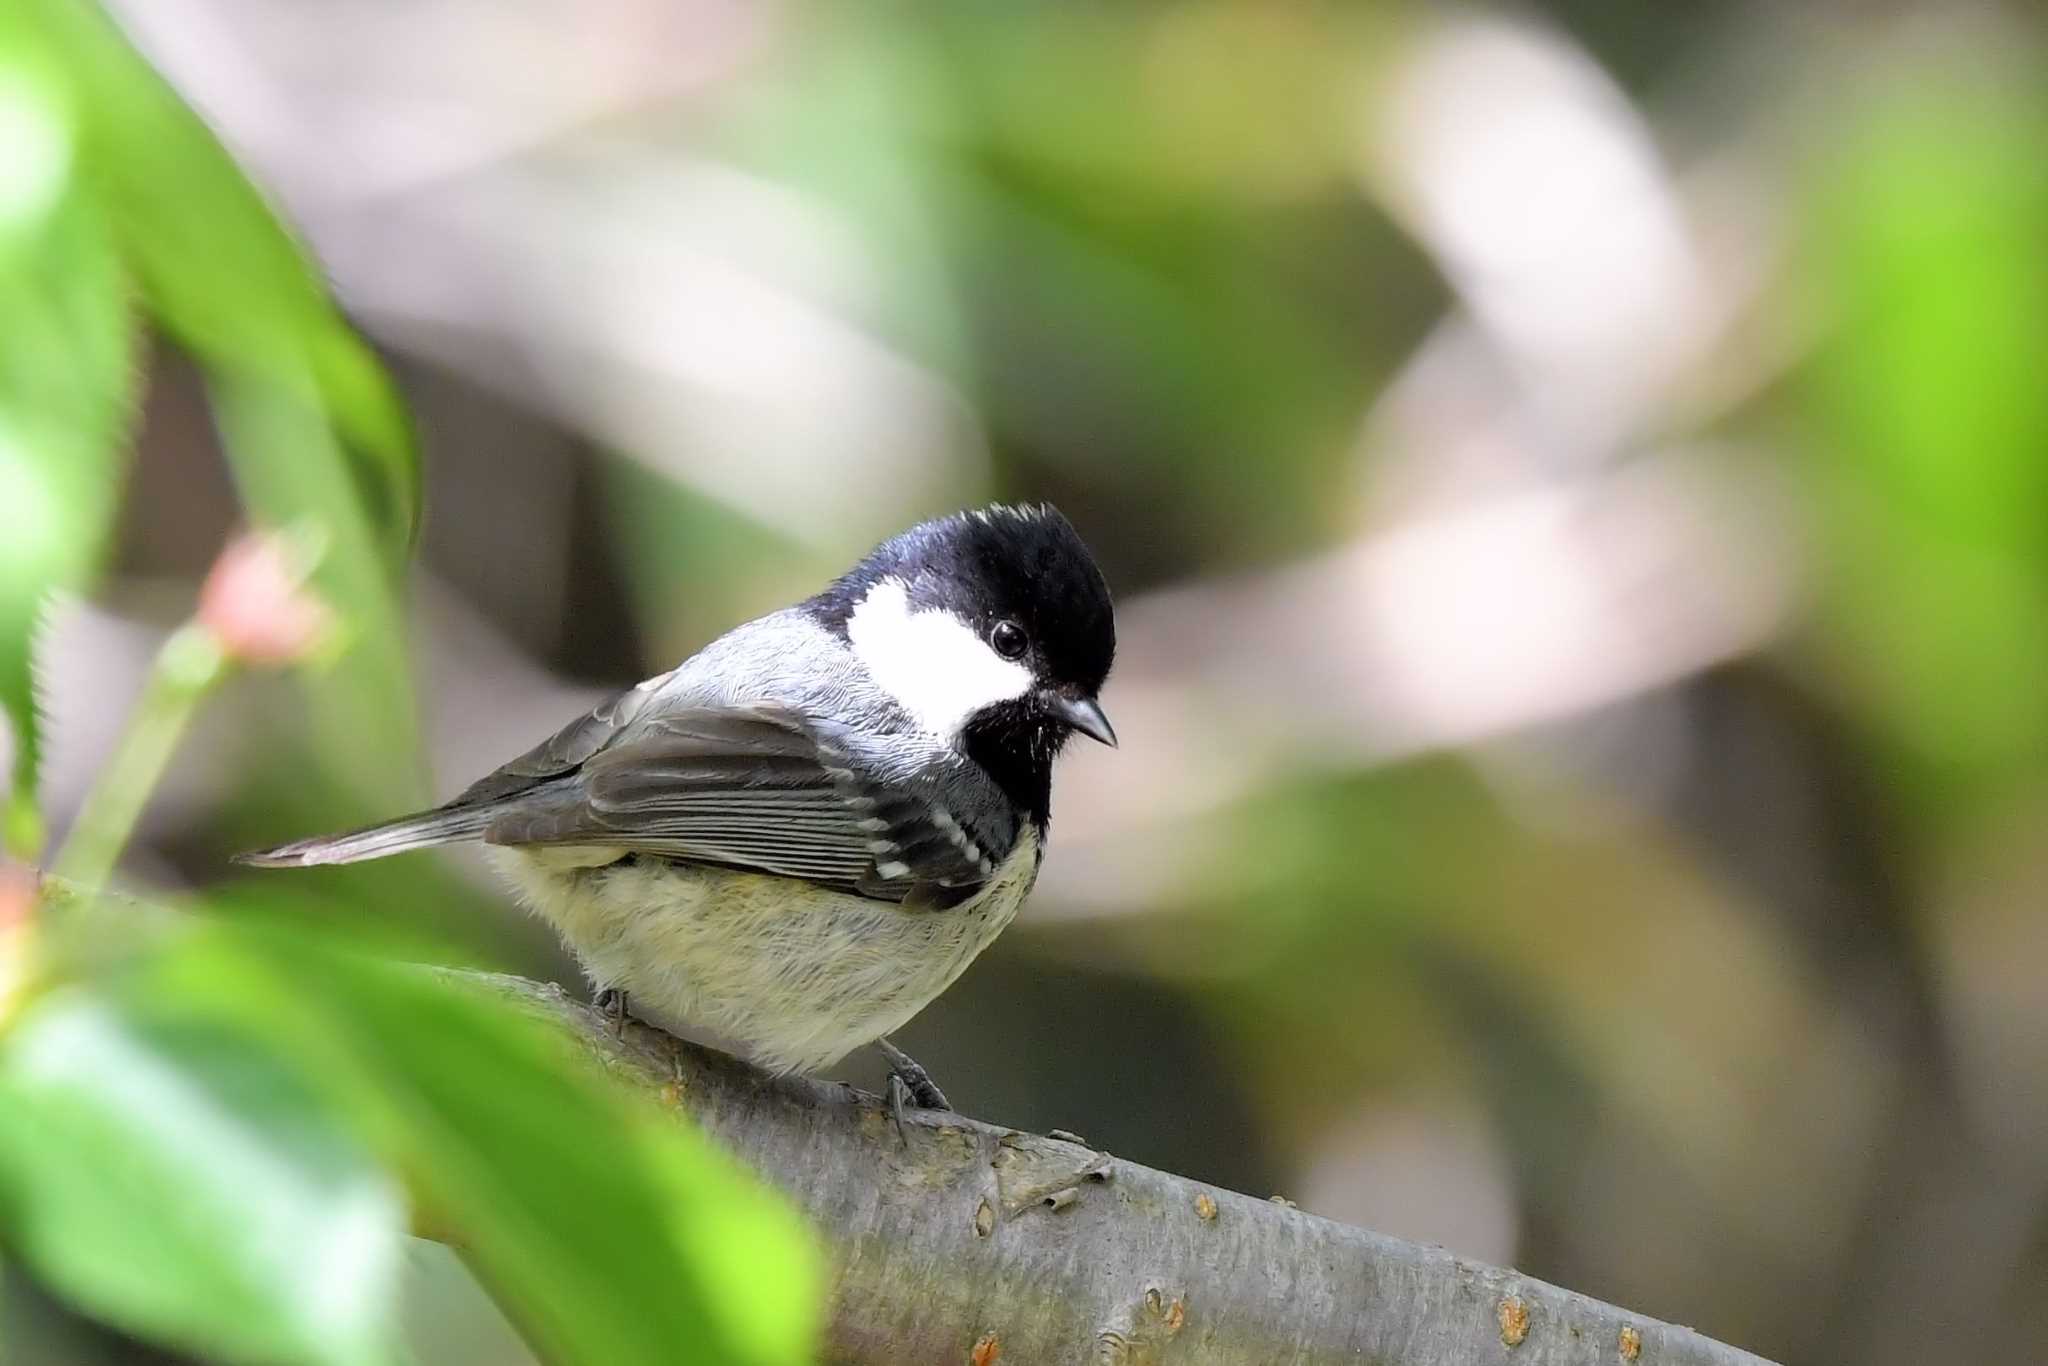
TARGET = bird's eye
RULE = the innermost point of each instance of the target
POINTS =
(1008, 639)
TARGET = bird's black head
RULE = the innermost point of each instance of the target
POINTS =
(991, 627)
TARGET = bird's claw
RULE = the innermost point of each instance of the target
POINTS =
(910, 1087)
(612, 1003)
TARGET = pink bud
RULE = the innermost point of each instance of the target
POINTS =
(17, 894)
(256, 605)
(17, 904)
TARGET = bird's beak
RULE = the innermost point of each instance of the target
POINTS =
(1085, 715)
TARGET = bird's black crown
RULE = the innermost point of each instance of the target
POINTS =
(1025, 564)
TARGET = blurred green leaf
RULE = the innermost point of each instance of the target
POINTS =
(1286, 906)
(1154, 99)
(1932, 417)
(569, 1195)
(314, 431)
(66, 382)
(177, 1179)
(218, 270)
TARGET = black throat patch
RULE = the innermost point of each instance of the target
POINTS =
(1015, 743)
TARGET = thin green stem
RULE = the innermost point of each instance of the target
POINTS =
(21, 822)
(186, 669)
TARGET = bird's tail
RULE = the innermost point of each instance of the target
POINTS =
(443, 825)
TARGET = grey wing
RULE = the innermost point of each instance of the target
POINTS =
(567, 750)
(752, 788)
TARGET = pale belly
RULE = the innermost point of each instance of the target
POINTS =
(793, 983)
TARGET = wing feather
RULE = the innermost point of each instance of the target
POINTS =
(743, 787)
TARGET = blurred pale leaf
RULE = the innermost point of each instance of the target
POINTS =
(1144, 289)
(66, 381)
(697, 566)
(447, 1318)
(177, 1179)
(608, 1229)
(848, 120)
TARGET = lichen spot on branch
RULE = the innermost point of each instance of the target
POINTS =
(1514, 1321)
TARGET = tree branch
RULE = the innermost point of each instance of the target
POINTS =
(962, 1242)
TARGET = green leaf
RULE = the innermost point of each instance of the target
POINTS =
(315, 433)
(572, 1198)
(603, 1225)
(177, 1179)
(1931, 416)
(219, 271)
(66, 382)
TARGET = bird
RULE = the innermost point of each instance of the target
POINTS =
(800, 836)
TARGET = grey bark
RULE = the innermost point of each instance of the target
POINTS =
(965, 1242)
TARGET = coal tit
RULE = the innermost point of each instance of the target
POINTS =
(797, 838)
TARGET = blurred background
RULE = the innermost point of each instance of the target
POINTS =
(1575, 478)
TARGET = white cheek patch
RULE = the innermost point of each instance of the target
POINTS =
(936, 668)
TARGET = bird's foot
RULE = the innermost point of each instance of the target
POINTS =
(918, 1087)
(612, 1002)
(910, 1086)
